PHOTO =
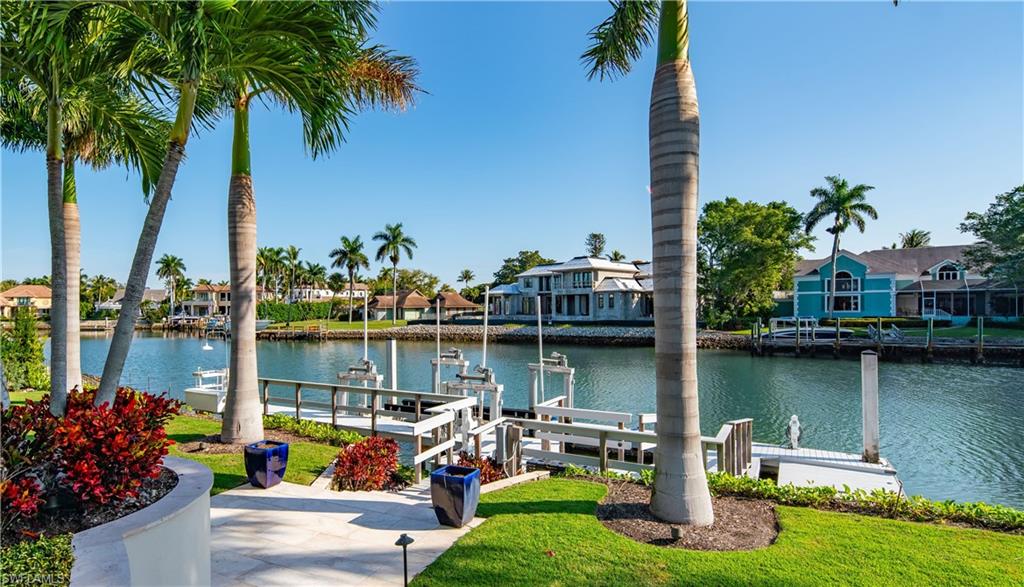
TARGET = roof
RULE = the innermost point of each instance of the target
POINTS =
(149, 295)
(539, 270)
(505, 289)
(406, 299)
(645, 268)
(614, 284)
(452, 300)
(28, 291)
(211, 288)
(901, 261)
(577, 263)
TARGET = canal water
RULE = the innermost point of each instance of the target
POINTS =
(952, 431)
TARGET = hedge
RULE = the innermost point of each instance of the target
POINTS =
(46, 561)
(318, 431)
(281, 312)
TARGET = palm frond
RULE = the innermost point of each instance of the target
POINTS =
(619, 41)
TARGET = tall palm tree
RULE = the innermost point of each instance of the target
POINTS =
(171, 269)
(466, 276)
(845, 205)
(198, 49)
(61, 94)
(350, 255)
(915, 239)
(336, 283)
(680, 490)
(393, 242)
(292, 270)
(267, 260)
(616, 256)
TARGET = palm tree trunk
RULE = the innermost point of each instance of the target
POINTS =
(243, 413)
(73, 255)
(351, 286)
(143, 260)
(394, 293)
(174, 287)
(832, 283)
(58, 262)
(680, 490)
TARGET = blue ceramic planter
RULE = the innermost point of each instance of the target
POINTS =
(455, 493)
(265, 462)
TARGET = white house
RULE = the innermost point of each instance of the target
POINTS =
(312, 294)
(585, 289)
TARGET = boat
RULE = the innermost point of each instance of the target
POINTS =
(209, 391)
(786, 329)
(263, 324)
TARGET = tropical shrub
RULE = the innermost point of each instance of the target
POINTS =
(22, 353)
(490, 470)
(318, 431)
(95, 454)
(281, 312)
(47, 560)
(368, 465)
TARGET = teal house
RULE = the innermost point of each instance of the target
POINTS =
(920, 282)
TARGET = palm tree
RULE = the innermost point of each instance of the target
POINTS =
(268, 262)
(466, 276)
(350, 255)
(171, 269)
(291, 270)
(846, 205)
(915, 239)
(616, 256)
(393, 242)
(336, 283)
(680, 490)
(62, 96)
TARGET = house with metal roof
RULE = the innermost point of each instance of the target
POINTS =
(919, 282)
(582, 289)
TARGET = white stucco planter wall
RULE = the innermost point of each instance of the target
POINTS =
(166, 543)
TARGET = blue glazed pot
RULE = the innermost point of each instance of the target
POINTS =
(455, 493)
(265, 462)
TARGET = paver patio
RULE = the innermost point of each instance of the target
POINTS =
(310, 535)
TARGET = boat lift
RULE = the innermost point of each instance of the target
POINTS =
(557, 363)
(481, 382)
(450, 358)
(364, 373)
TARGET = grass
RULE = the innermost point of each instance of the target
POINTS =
(18, 397)
(545, 533)
(306, 460)
(336, 324)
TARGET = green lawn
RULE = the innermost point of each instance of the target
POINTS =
(336, 324)
(18, 397)
(545, 533)
(306, 460)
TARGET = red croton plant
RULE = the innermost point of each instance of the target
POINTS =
(97, 454)
(367, 465)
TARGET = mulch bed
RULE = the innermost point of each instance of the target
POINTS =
(211, 445)
(71, 520)
(740, 524)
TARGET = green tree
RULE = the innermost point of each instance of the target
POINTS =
(21, 351)
(269, 263)
(292, 271)
(746, 250)
(171, 269)
(617, 256)
(465, 276)
(999, 250)
(595, 244)
(846, 205)
(512, 266)
(914, 239)
(407, 279)
(680, 490)
(393, 242)
(351, 257)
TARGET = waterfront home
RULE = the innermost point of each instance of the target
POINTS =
(411, 305)
(38, 297)
(323, 294)
(453, 304)
(584, 289)
(153, 296)
(918, 282)
(214, 300)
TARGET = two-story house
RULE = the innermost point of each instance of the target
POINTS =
(923, 281)
(38, 297)
(208, 300)
(580, 289)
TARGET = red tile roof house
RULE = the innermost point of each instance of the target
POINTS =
(26, 296)
(411, 305)
(453, 304)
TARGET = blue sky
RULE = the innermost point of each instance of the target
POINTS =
(514, 149)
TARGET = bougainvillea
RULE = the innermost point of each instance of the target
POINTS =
(97, 454)
(489, 469)
(368, 465)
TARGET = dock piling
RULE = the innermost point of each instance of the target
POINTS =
(869, 404)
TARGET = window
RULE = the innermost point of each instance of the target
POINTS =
(948, 273)
(600, 301)
(24, 301)
(845, 303)
(558, 280)
(582, 278)
(844, 282)
(527, 306)
(611, 301)
(585, 305)
(528, 283)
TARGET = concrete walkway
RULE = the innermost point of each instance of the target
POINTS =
(309, 535)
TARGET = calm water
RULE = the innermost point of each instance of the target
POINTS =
(952, 431)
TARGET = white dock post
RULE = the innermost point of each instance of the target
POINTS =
(393, 366)
(869, 402)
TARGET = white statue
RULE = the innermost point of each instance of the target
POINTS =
(793, 432)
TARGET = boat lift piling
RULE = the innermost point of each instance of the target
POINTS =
(364, 374)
